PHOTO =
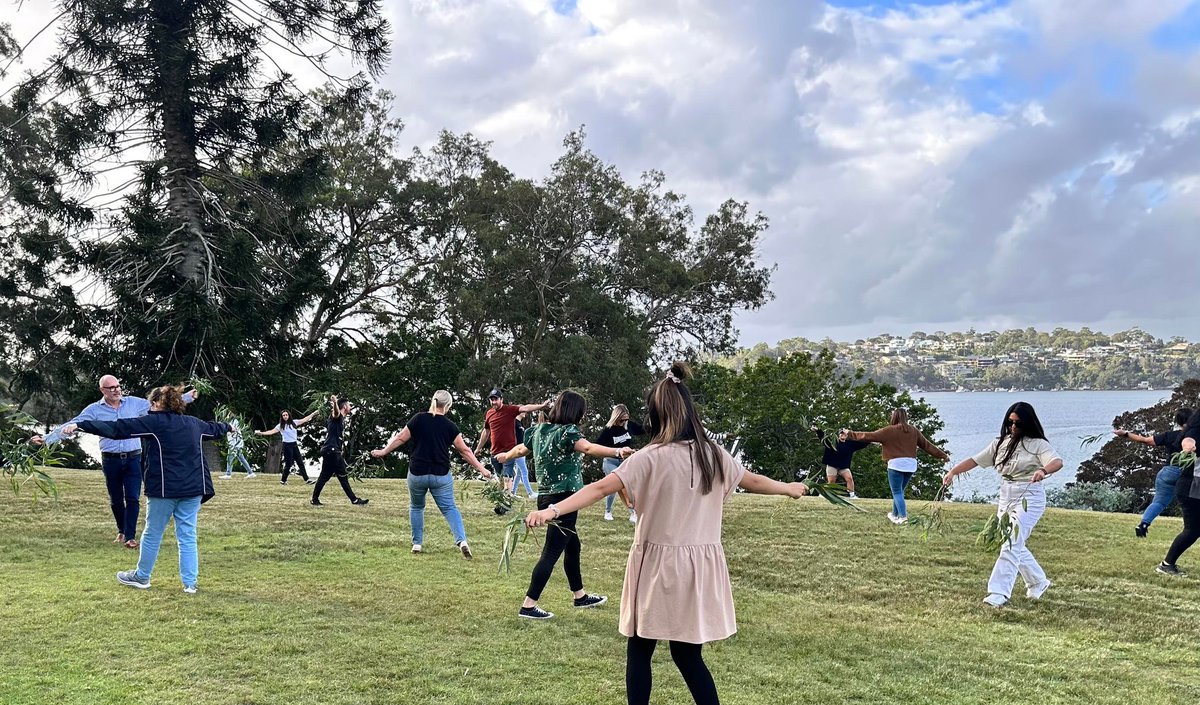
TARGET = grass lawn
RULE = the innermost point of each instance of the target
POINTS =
(326, 605)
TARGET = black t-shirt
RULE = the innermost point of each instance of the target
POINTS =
(1170, 442)
(841, 457)
(333, 433)
(432, 437)
(620, 436)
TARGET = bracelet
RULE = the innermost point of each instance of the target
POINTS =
(554, 509)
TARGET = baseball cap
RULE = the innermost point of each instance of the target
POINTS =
(496, 393)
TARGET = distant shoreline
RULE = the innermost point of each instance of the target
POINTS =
(1025, 391)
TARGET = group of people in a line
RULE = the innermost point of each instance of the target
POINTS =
(676, 585)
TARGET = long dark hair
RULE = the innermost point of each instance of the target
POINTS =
(673, 419)
(285, 422)
(1182, 416)
(1027, 426)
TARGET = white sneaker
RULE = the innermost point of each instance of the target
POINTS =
(251, 475)
(852, 496)
(189, 589)
(533, 496)
(995, 600)
(416, 548)
(608, 516)
(895, 519)
(1036, 592)
(225, 477)
(632, 517)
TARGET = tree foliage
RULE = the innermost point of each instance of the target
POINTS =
(764, 406)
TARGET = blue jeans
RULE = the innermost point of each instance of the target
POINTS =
(897, 481)
(442, 489)
(123, 478)
(1164, 492)
(609, 465)
(159, 511)
(521, 477)
(229, 460)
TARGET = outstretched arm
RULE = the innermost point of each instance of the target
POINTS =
(758, 484)
(461, 446)
(270, 432)
(520, 451)
(525, 408)
(598, 451)
(1135, 437)
(306, 419)
(589, 495)
(964, 466)
(116, 430)
(397, 440)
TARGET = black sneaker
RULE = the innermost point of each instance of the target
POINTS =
(1170, 570)
(590, 600)
(316, 503)
(359, 501)
(1141, 530)
(534, 612)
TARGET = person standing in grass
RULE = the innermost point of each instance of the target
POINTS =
(120, 460)
(558, 448)
(520, 467)
(1188, 492)
(677, 585)
(900, 441)
(500, 430)
(1168, 475)
(433, 435)
(1023, 457)
(838, 459)
(235, 451)
(332, 461)
(619, 433)
(177, 480)
(287, 429)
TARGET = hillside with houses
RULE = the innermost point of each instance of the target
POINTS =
(1002, 360)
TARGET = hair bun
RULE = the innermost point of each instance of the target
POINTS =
(681, 370)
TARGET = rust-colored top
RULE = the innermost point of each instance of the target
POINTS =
(899, 441)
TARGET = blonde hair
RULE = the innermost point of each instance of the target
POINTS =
(441, 400)
(900, 418)
(618, 411)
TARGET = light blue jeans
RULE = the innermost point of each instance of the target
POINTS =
(1164, 492)
(442, 489)
(521, 477)
(160, 510)
(229, 460)
(609, 465)
(897, 481)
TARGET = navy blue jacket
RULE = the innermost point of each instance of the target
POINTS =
(175, 465)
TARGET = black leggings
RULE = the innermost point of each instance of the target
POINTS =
(559, 540)
(1190, 507)
(687, 659)
(332, 463)
(291, 454)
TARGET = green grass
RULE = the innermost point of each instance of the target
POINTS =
(326, 605)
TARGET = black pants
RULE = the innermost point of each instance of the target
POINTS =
(291, 454)
(332, 463)
(687, 659)
(560, 539)
(1190, 507)
(123, 478)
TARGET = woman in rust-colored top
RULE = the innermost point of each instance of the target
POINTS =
(676, 580)
(900, 441)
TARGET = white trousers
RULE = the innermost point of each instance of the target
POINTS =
(1025, 502)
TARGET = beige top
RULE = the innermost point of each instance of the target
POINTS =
(1031, 455)
(676, 580)
(898, 443)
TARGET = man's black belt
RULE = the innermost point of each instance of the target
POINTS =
(122, 456)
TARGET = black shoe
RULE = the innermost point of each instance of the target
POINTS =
(590, 600)
(534, 612)
(1141, 530)
(310, 482)
(316, 503)
(359, 501)
(1170, 570)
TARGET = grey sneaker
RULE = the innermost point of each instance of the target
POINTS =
(189, 589)
(1171, 570)
(130, 578)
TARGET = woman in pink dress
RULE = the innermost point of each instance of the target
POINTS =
(676, 581)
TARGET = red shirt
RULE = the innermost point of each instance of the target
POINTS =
(502, 427)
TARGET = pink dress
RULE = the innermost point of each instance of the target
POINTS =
(676, 581)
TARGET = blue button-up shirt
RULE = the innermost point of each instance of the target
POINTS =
(130, 408)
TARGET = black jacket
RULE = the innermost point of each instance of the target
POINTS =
(174, 450)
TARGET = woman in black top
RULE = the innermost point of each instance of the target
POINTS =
(1168, 475)
(332, 462)
(619, 433)
(432, 435)
(1189, 501)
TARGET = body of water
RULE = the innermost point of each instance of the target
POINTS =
(973, 419)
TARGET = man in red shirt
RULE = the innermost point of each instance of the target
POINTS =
(500, 427)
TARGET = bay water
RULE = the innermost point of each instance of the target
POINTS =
(973, 419)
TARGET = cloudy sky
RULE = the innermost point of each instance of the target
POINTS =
(924, 165)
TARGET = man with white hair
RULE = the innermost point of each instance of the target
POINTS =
(121, 460)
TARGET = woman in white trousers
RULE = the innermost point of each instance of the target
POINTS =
(1023, 457)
